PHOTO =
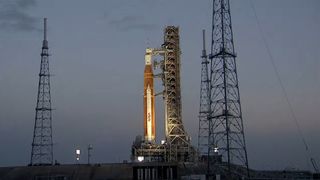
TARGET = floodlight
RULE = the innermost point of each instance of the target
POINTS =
(140, 158)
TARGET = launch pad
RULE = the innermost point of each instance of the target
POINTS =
(176, 147)
(142, 151)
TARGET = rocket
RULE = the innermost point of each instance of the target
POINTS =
(148, 99)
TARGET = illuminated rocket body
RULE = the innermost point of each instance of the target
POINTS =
(148, 100)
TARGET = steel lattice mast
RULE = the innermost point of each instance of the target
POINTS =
(42, 150)
(226, 132)
(204, 104)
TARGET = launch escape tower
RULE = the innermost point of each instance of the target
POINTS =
(42, 151)
(177, 147)
(204, 104)
(227, 152)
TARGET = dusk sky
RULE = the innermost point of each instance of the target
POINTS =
(97, 60)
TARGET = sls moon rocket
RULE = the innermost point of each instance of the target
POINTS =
(148, 99)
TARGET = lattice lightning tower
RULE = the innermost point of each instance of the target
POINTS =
(42, 151)
(204, 104)
(226, 133)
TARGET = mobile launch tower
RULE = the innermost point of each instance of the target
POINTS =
(176, 147)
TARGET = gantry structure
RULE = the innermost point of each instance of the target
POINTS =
(177, 147)
(42, 147)
(177, 139)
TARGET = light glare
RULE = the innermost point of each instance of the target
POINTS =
(140, 158)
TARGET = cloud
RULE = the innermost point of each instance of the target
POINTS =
(128, 23)
(14, 15)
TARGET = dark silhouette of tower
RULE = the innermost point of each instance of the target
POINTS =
(227, 152)
(42, 151)
(204, 104)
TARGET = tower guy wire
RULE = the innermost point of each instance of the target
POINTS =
(283, 89)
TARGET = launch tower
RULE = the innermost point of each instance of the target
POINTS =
(176, 147)
(176, 137)
(42, 151)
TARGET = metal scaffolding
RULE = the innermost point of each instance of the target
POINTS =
(175, 133)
